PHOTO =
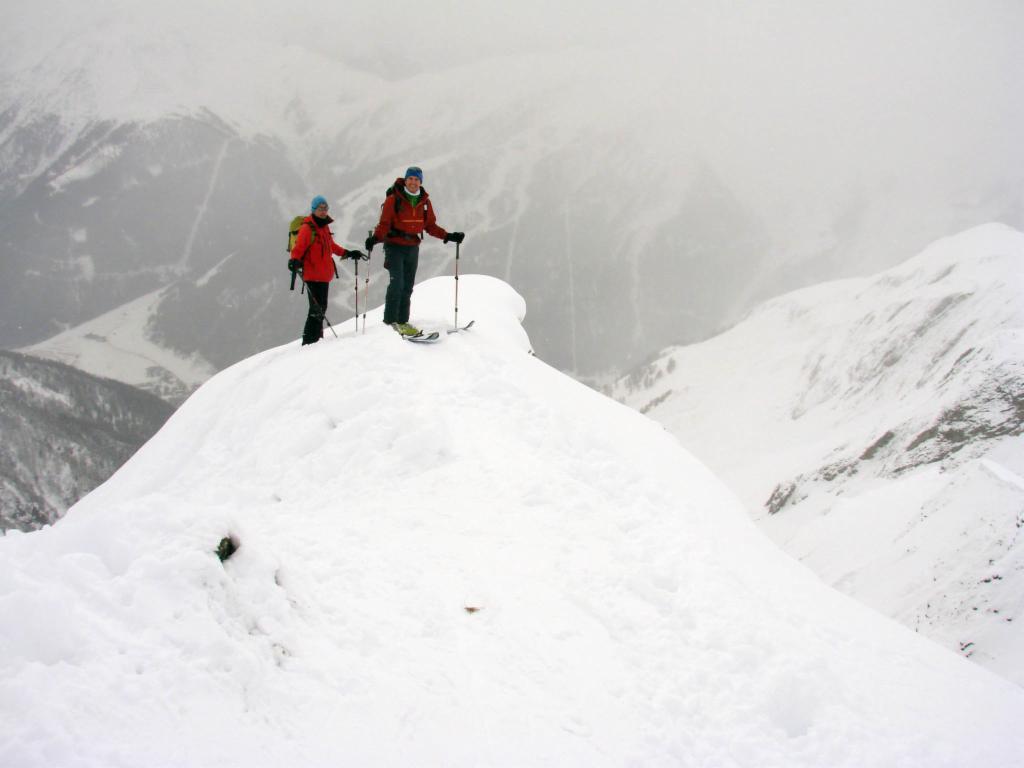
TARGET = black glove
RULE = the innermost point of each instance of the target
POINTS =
(294, 265)
(370, 242)
(455, 237)
(356, 255)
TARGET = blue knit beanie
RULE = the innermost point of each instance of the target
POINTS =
(414, 171)
(317, 202)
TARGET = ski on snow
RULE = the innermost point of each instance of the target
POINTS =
(465, 327)
(425, 337)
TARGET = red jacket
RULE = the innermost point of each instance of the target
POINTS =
(317, 264)
(407, 225)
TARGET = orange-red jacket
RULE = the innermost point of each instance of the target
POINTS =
(317, 264)
(406, 225)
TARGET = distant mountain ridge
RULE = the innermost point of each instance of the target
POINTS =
(873, 428)
(148, 148)
(62, 433)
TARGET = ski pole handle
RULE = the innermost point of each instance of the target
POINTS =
(457, 246)
(366, 280)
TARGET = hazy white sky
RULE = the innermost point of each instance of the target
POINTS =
(831, 132)
(788, 99)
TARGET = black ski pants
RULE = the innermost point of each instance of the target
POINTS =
(317, 295)
(401, 262)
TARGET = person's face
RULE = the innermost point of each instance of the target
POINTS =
(412, 183)
(321, 210)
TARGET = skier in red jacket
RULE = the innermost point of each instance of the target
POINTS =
(312, 254)
(406, 214)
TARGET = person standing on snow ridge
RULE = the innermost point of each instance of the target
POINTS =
(312, 254)
(405, 215)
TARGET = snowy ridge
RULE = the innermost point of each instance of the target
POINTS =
(873, 427)
(448, 555)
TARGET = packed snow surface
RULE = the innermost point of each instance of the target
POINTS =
(448, 555)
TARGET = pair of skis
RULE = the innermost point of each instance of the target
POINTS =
(430, 338)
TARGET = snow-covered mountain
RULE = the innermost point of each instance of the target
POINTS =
(62, 433)
(121, 341)
(126, 210)
(449, 555)
(644, 175)
(873, 428)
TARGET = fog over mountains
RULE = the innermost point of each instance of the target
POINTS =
(643, 176)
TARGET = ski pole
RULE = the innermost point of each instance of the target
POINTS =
(357, 294)
(366, 291)
(323, 312)
(457, 285)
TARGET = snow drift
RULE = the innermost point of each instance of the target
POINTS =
(448, 555)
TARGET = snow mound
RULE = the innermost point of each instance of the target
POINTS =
(448, 555)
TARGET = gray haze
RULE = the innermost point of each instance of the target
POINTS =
(642, 175)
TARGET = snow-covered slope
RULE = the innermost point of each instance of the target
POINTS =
(121, 340)
(873, 428)
(449, 555)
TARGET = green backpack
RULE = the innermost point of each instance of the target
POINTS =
(293, 232)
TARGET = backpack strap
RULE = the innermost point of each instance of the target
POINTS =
(393, 194)
(312, 237)
(407, 235)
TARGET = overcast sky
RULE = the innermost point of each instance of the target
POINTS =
(822, 92)
(787, 100)
(825, 122)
